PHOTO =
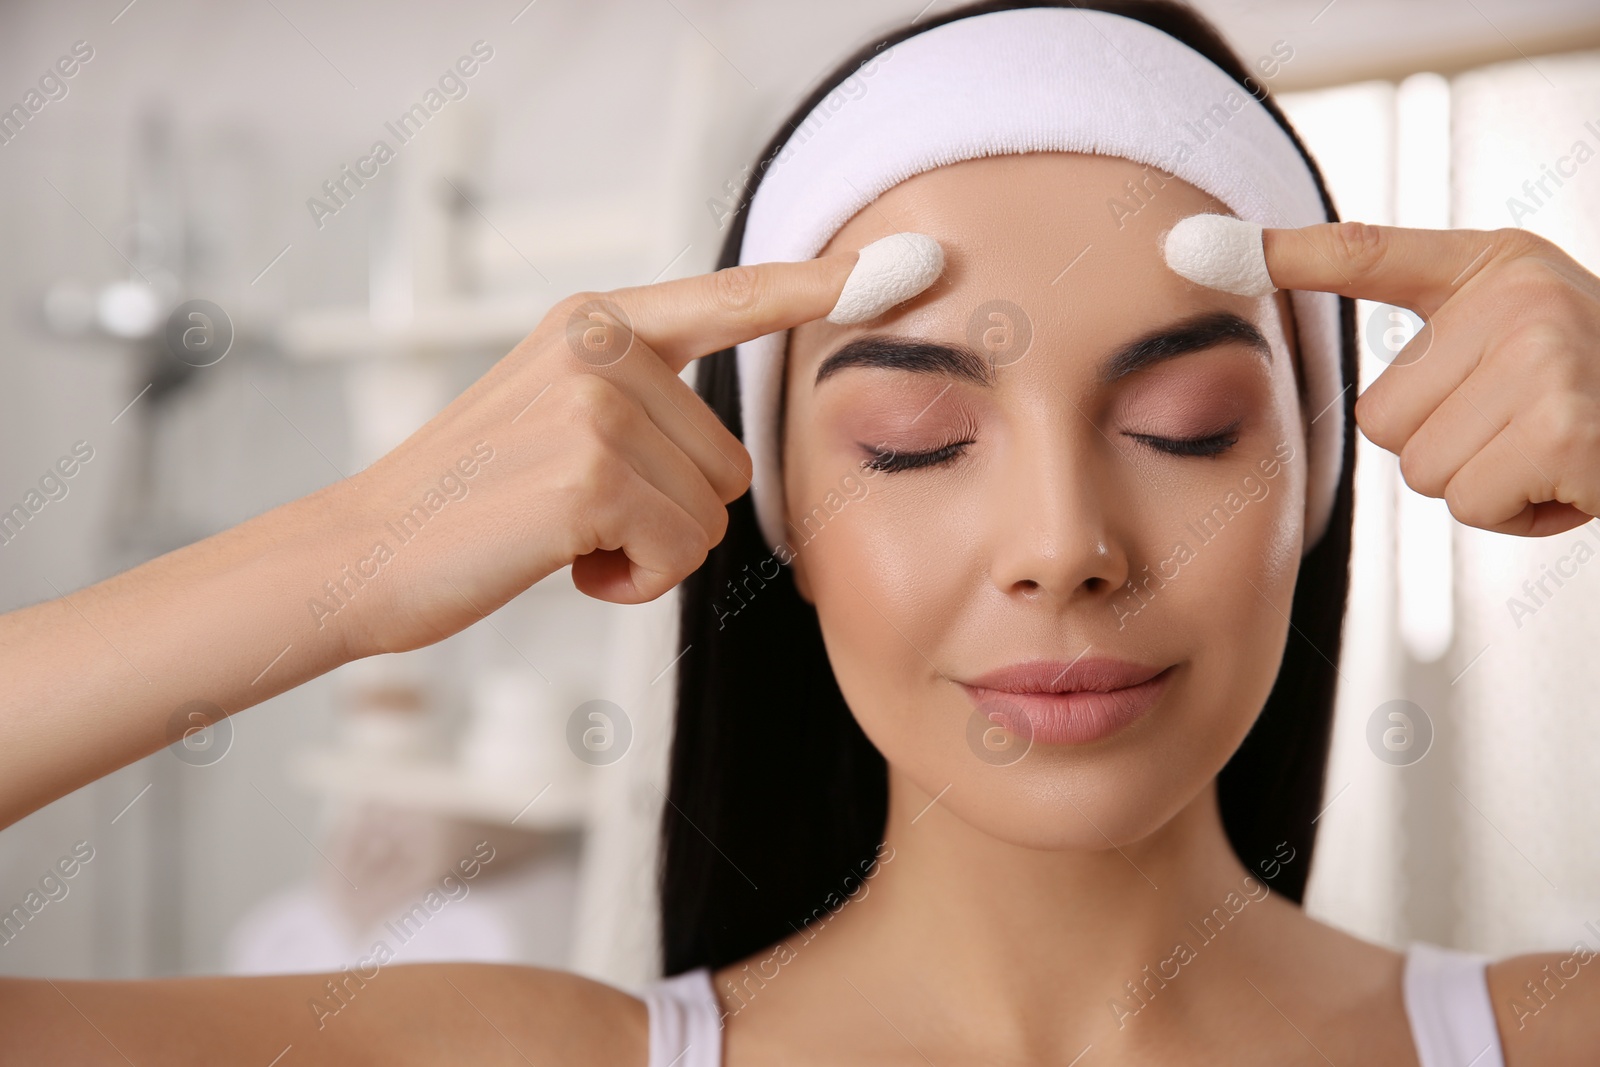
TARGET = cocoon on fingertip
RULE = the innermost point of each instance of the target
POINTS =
(889, 271)
(1219, 252)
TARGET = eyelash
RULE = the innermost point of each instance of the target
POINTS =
(889, 460)
(1208, 447)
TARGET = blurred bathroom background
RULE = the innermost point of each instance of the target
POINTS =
(220, 296)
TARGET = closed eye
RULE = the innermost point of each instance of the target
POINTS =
(887, 459)
(1213, 445)
(890, 460)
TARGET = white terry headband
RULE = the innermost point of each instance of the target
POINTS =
(1032, 80)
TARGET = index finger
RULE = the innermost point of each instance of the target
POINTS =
(1419, 269)
(686, 318)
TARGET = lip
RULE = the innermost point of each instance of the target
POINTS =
(1056, 703)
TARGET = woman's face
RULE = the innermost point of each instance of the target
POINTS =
(994, 474)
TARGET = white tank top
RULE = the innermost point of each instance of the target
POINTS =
(1446, 1000)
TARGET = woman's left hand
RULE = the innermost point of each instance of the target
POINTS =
(1495, 404)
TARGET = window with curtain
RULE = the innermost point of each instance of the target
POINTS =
(1463, 791)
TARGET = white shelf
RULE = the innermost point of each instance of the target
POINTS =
(443, 788)
(446, 326)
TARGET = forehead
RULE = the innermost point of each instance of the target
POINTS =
(1072, 240)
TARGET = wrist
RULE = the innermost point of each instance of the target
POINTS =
(329, 579)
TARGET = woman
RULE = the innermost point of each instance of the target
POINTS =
(889, 836)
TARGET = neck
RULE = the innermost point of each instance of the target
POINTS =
(1010, 935)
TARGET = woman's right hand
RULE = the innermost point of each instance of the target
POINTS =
(584, 447)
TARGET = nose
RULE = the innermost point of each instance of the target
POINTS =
(1054, 534)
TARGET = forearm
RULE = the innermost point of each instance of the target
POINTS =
(94, 679)
(372, 1012)
(623, 475)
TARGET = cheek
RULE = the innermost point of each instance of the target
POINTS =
(888, 599)
(867, 563)
(1222, 592)
(1218, 555)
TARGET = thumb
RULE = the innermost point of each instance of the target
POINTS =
(1419, 269)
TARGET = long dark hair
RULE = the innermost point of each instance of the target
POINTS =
(776, 796)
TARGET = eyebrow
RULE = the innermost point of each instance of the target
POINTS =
(922, 356)
(918, 355)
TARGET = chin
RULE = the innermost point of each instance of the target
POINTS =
(1088, 807)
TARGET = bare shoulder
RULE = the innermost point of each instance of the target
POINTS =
(1547, 1006)
(1357, 986)
(401, 1014)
